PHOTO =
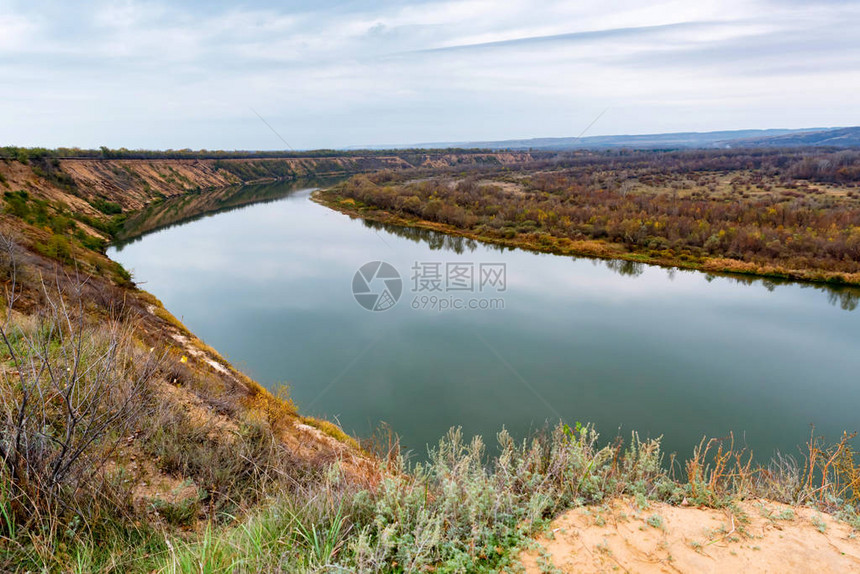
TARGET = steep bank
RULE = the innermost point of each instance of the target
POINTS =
(134, 182)
(100, 194)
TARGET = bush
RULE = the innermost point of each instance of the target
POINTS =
(16, 204)
(106, 207)
(56, 247)
(72, 393)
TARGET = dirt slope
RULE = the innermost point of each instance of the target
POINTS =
(134, 182)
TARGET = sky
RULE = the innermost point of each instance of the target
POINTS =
(331, 74)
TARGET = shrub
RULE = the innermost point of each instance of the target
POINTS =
(106, 207)
(56, 247)
(16, 203)
(71, 393)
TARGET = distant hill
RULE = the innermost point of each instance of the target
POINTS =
(839, 137)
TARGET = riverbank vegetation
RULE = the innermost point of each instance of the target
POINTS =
(783, 214)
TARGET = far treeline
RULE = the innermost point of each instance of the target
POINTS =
(24, 154)
(790, 213)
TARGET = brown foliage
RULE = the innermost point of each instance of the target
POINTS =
(668, 206)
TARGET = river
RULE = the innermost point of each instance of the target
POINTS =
(485, 338)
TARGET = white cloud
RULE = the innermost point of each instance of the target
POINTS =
(157, 74)
(15, 33)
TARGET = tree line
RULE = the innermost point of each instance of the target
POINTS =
(771, 214)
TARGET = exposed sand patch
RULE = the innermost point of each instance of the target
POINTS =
(201, 355)
(508, 187)
(763, 537)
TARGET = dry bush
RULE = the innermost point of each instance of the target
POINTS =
(828, 476)
(69, 392)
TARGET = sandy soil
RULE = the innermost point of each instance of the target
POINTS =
(762, 537)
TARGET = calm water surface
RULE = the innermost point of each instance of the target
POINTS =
(626, 347)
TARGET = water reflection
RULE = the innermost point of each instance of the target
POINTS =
(846, 298)
(176, 211)
(843, 296)
(627, 268)
(435, 240)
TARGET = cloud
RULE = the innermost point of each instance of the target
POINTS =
(613, 34)
(140, 73)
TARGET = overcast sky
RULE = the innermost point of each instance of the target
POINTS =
(332, 74)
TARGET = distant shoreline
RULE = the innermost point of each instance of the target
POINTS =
(590, 248)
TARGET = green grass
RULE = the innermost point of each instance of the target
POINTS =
(655, 521)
